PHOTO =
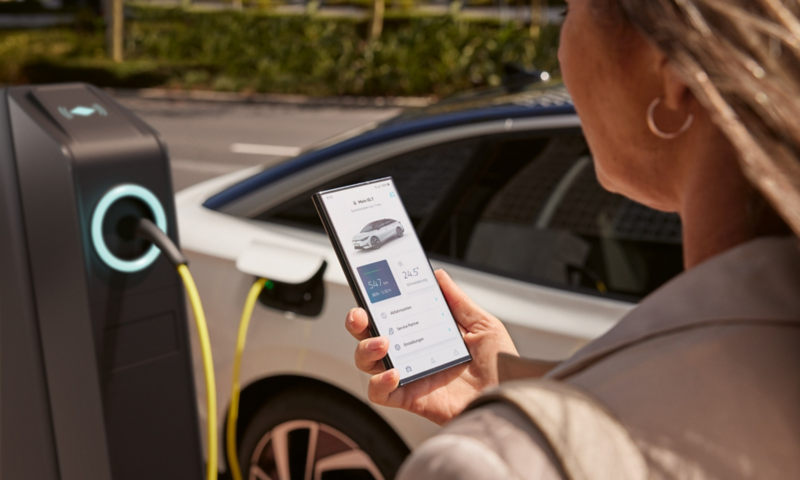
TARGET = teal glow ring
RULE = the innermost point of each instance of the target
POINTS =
(121, 191)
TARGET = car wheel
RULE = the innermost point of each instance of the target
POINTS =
(312, 434)
(375, 242)
(399, 232)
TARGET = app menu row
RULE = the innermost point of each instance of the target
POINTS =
(432, 357)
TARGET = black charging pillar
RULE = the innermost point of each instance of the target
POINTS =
(96, 374)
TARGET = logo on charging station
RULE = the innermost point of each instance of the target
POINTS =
(83, 111)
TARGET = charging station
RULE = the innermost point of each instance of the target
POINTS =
(96, 378)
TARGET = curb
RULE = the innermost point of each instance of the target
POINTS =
(270, 98)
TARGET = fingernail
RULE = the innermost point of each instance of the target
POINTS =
(350, 316)
(388, 376)
(375, 344)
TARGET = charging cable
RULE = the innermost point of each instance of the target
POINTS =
(149, 231)
(233, 414)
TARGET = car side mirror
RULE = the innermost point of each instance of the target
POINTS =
(295, 279)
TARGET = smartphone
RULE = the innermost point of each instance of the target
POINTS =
(391, 278)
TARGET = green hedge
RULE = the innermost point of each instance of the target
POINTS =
(318, 56)
(257, 51)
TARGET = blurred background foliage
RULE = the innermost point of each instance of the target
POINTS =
(256, 50)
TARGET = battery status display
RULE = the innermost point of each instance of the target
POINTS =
(378, 281)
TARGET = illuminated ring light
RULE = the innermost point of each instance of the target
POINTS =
(121, 191)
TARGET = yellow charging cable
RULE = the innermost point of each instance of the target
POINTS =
(233, 414)
(208, 369)
(149, 231)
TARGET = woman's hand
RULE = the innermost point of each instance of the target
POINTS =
(444, 395)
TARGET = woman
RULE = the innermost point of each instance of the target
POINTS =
(690, 106)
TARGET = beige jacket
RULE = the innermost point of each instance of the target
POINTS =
(704, 374)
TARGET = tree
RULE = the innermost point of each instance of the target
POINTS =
(538, 17)
(378, 8)
(114, 15)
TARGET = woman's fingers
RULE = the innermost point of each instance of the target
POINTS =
(466, 312)
(357, 323)
(382, 388)
(370, 351)
(369, 354)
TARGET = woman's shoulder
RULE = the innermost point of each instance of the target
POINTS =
(704, 371)
(756, 281)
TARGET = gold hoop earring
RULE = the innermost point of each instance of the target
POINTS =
(651, 123)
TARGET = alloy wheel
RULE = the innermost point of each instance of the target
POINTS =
(309, 450)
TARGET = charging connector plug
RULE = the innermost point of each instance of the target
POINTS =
(148, 230)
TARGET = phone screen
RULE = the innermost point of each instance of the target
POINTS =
(395, 280)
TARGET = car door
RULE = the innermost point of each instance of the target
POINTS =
(389, 229)
(383, 230)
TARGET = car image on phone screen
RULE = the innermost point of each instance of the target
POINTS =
(391, 278)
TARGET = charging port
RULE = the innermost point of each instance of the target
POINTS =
(114, 225)
(119, 228)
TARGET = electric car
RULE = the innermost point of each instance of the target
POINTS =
(501, 190)
(375, 233)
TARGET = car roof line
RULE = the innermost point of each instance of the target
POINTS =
(374, 137)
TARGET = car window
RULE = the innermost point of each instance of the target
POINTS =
(424, 179)
(537, 213)
(369, 227)
(526, 206)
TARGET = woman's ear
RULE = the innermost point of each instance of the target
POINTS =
(677, 96)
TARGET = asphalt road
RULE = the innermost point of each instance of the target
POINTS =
(208, 139)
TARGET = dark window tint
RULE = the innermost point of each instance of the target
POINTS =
(424, 179)
(536, 212)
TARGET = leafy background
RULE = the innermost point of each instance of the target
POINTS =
(260, 51)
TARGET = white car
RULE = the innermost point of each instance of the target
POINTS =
(502, 193)
(375, 233)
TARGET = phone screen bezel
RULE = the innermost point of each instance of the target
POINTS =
(349, 273)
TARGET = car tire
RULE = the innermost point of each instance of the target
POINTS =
(356, 443)
(375, 243)
(399, 232)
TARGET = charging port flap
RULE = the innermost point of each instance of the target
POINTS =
(295, 279)
(278, 264)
